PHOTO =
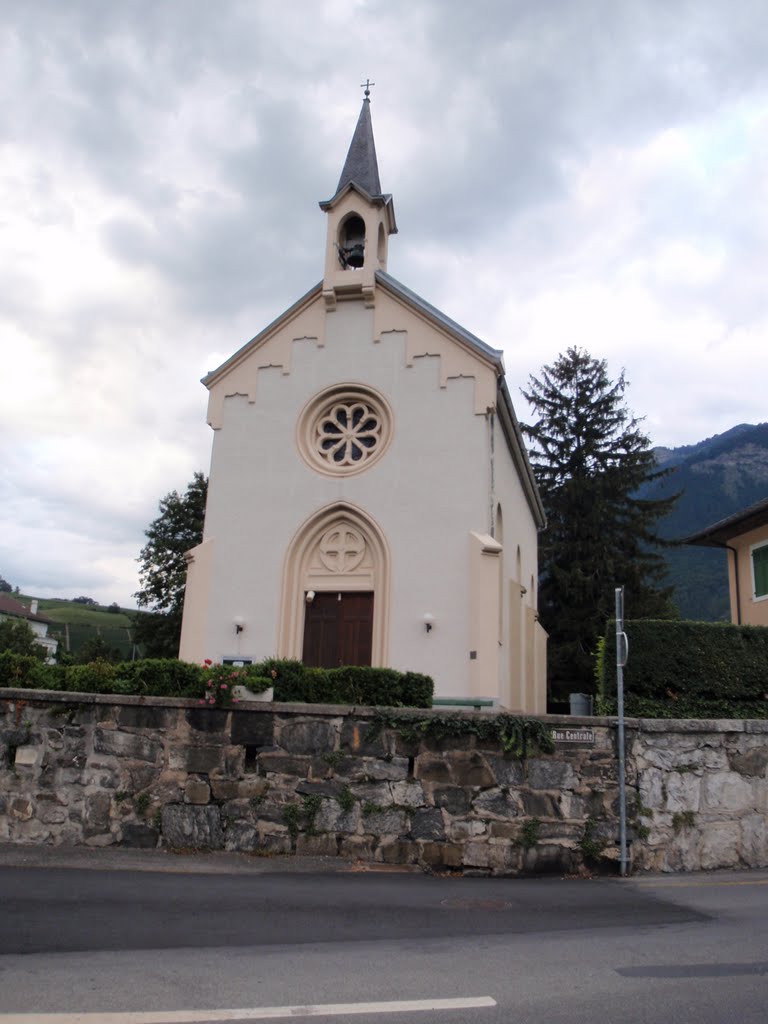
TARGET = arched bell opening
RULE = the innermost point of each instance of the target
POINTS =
(351, 244)
(381, 248)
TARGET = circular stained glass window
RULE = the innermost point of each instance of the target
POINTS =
(344, 429)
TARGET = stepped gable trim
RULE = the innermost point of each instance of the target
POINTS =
(214, 376)
(735, 525)
(495, 357)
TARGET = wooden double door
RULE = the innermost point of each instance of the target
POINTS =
(338, 629)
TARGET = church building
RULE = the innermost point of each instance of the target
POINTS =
(370, 500)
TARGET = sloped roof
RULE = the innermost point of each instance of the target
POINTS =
(735, 525)
(361, 166)
(10, 606)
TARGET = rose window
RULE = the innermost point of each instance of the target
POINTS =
(344, 430)
(348, 433)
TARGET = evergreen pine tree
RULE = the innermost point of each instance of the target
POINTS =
(590, 457)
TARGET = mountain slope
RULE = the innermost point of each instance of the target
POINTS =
(717, 477)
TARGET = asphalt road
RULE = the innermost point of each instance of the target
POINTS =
(141, 946)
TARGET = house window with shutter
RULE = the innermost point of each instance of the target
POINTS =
(760, 571)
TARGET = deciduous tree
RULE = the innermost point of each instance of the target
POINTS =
(590, 457)
(163, 571)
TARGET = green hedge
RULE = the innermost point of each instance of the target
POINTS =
(687, 670)
(156, 677)
(349, 684)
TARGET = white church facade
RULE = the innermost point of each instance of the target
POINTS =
(370, 500)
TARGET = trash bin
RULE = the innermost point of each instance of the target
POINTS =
(581, 703)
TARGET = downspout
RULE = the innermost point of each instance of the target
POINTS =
(492, 482)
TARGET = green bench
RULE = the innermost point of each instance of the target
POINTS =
(477, 703)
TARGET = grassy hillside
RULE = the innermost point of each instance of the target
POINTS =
(74, 624)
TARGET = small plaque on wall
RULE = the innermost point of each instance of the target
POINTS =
(584, 736)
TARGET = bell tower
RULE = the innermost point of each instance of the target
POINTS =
(360, 220)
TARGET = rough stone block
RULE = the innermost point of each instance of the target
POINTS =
(316, 846)
(460, 831)
(428, 824)
(441, 855)
(469, 768)
(397, 851)
(507, 771)
(234, 762)
(197, 792)
(201, 760)
(127, 744)
(495, 803)
(386, 822)
(541, 805)
(96, 813)
(320, 787)
(378, 793)
(752, 762)
(27, 757)
(21, 808)
(393, 770)
(550, 775)
(225, 789)
(284, 764)
(52, 814)
(408, 794)
(332, 818)
(253, 729)
(242, 837)
(138, 716)
(275, 842)
(190, 826)
(356, 847)
(142, 837)
(312, 736)
(683, 792)
(430, 767)
(718, 847)
(727, 792)
(476, 855)
(140, 777)
(754, 840)
(454, 799)
(354, 738)
(505, 830)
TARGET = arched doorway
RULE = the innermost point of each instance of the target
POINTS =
(335, 604)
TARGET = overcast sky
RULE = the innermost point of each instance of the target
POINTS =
(565, 172)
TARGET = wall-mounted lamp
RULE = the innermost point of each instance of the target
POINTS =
(429, 621)
(239, 624)
(310, 596)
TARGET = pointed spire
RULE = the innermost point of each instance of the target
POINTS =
(360, 166)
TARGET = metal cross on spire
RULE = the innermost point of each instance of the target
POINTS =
(367, 86)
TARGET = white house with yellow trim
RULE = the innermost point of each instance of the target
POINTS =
(370, 500)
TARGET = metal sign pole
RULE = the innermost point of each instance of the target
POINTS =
(622, 652)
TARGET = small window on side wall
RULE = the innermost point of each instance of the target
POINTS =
(760, 570)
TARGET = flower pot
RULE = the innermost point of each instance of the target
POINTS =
(243, 693)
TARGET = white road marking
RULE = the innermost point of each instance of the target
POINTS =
(253, 1013)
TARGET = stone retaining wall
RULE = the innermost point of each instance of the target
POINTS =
(266, 779)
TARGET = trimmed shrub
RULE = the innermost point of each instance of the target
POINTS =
(348, 684)
(687, 670)
(161, 677)
(27, 671)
